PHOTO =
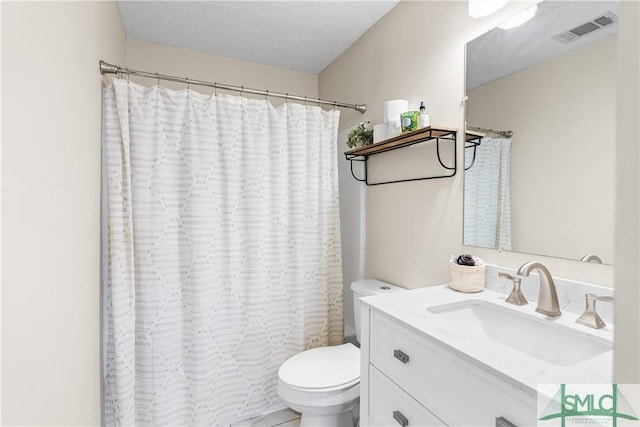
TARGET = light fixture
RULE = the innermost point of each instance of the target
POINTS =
(480, 8)
(519, 19)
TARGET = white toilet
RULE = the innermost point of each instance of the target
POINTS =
(323, 383)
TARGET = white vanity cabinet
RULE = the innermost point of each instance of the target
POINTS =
(410, 379)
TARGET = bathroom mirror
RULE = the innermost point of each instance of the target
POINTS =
(544, 182)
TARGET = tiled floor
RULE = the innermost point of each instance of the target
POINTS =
(283, 418)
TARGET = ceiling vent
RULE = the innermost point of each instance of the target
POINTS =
(588, 27)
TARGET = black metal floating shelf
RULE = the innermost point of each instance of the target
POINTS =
(437, 134)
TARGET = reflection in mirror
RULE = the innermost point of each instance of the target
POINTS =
(543, 94)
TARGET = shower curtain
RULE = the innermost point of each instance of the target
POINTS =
(487, 196)
(223, 255)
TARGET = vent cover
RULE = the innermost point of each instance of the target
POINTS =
(588, 27)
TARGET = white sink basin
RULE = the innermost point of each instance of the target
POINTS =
(541, 338)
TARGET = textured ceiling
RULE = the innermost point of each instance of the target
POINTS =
(296, 35)
(499, 52)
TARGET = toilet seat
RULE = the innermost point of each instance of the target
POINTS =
(323, 369)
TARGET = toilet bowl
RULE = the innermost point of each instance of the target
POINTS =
(323, 383)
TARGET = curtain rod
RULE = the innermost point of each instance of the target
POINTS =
(106, 68)
(503, 133)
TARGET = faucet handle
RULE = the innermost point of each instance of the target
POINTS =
(590, 316)
(515, 297)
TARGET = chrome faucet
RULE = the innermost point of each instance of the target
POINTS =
(590, 316)
(548, 298)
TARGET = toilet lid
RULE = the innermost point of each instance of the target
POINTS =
(323, 367)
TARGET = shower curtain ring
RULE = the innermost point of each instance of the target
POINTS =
(187, 80)
(158, 79)
(215, 88)
(266, 93)
(335, 105)
(286, 98)
(241, 91)
(305, 101)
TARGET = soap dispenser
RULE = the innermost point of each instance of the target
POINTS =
(423, 119)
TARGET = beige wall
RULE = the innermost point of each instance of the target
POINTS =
(413, 228)
(51, 193)
(627, 269)
(562, 113)
(153, 57)
(51, 92)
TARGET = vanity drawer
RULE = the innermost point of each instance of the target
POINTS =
(391, 406)
(454, 389)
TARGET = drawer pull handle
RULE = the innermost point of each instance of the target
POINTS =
(401, 356)
(401, 419)
(503, 422)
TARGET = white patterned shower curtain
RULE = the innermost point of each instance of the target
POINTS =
(487, 196)
(223, 251)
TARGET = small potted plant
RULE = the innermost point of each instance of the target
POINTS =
(360, 135)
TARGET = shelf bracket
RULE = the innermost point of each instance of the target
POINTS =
(365, 169)
(472, 141)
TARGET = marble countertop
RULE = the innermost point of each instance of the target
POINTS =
(520, 369)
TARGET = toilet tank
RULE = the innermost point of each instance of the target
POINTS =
(365, 288)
